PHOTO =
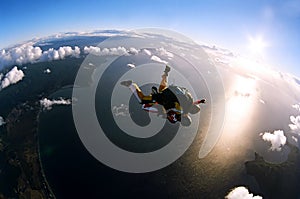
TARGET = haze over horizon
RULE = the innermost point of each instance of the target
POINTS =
(263, 30)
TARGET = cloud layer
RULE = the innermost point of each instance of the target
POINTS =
(27, 53)
(12, 77)
(164, 52)
(295, 126)
(295, 121)
(158, 59)
(61, 53)
(47, 104)
(277, 139)
(94, 50)
(296, 106)
(241, 193)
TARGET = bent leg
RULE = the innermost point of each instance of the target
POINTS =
(164, 83)
(139, 94)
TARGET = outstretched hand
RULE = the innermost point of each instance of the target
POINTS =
(203, 101)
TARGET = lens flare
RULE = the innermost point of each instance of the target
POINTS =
(257, 45)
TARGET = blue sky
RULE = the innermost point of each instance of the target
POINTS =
(228, 24)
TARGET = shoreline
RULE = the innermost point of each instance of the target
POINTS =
(51, 194)
(22, 139)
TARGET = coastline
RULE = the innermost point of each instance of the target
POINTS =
(22, 140)
(51, 194)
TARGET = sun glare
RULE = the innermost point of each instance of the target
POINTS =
(257, 45)
(239, 113)
(240, 103)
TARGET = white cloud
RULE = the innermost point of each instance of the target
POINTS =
(27, 53)
(105, 51)
(47, 71)
(157, 59)
(66, 51)
(295, 139)
(133, 51)
(295, 120)
(61, 53)
(277, 139)
(22, 54)
(12, 77)
(296, 106)
(1, 121)
(118, 51)
(164, 52)
(92, 49)
(47, 104)
(295, 126)
(262, 101)
(147, 52)
(102, 33)
(121, 110)
(131, 65)
(241, 193)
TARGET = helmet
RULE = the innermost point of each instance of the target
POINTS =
(186, 120)
(194, 109)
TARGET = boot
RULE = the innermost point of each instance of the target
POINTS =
(167, 70)
(126, 83)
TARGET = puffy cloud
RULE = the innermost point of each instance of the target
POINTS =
(1, 121)
(131, 65)
(47, 104)
(296, 106)
(133, 51)
(277, 139)
(27, 53)
(23, 54)
(118, 51)
(295, 126)
(164, 52)
(157, 59)
(47, 71)
(66, 51)
(12, 77)
(5, 59)
(121, 110)
(61, 53)
(241, 193)
(295, 120)
(147, 52)
(92, 50)
(105, 51)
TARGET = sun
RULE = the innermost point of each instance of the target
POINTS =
(257, 45)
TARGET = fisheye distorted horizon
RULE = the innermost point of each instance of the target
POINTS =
(265, 31)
